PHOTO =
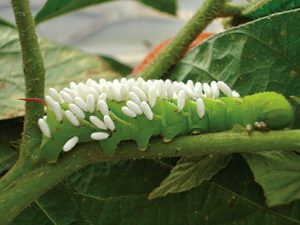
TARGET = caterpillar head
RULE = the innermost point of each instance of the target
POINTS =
(276, 111)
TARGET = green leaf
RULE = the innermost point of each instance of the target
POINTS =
(9, 142)
(110, 194)
(56, 207)
(296, 99)
(62, 64)
(262, 55)
(117, 66)
(4, 22)
(53, 8)
(262, 8)
(190, 173)
(168, 6)
(296, 105)
(279, 175)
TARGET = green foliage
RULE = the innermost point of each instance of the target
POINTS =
(4, 22)
(296, 99)
(258, 56)
(9, 142)
(117, 66)
(62, 64)
(262, 8)
(116, 193)
(170, 54)
(54, 8)
(168, 6)
(190, 173)
(279, 175)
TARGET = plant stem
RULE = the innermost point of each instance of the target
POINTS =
(171, 53)
(9, 179)
(34, 73)
(41, 179)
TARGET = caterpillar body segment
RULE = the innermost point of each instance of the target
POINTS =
(153, 110)
(61, 132)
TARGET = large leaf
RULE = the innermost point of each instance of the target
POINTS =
(266, 7)
(116, 194)
(10, 131)
(62, 64)
(53, 8)
(279, 175)
(190, 173)
(258, 56)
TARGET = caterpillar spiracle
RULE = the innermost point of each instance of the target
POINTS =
(129, 109)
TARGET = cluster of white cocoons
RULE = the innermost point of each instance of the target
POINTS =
(138, 96)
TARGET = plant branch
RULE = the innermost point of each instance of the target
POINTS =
(43, 178)
(34, 73)
(18, 169)
(172, 52)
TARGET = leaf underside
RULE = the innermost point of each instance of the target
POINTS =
(278, 173)
(190, 173)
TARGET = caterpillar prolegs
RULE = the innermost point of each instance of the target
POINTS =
(114, 111)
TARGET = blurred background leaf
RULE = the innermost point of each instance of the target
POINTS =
(117, 66)
(4, 22)
(63, 64)
(53, 8)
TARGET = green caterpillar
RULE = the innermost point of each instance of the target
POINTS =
(115, 111)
